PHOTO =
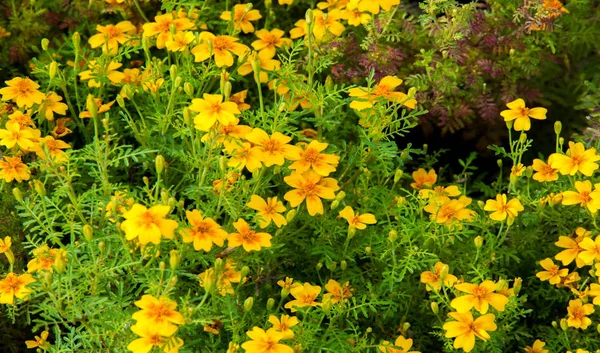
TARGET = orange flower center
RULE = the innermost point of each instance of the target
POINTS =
(215, 108)
(308, 298)
(548, 170)
(112, 32)
(155, 340)
(24, 87)
(269, 343)
(272, 145)
(382, 90)
(480, 292)
(311, 155)
(220, 44)
(578, 314)
(577, 160)
(11, 283)
(147, 218)
(203, 228)
(310, 189)
(270, 39)
(554, 270)
(249, 236)
(524, 112)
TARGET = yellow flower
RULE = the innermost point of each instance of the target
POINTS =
(423, 179)
(536, 348)
(577, 159)
(480, 297)
(374, 5)
(287, 284)
(152, 85)
(12, 168)
(312, 187)
(247, 238)
(151, 337)
(311, 157)
(245, 156)
(285, 2)
(268, 211)
(584, 196)
(304, 295)
(148, 225)
(465, 329)
(578, 314)
(544, 172)
(333, 4)
(327, 23)
(502, 209)
(357, 220)
(15, 135)
(284, 325)
(179, 41)
(204, 232)
(367, 97)
(101, 108)
(590, 250)
(24, 120)
(553, 273)
(405, 344)
(242, 17)
(240, 99)
(434, 280)
(52, 105)
(97, 72)
(301, 29)
(520, 113)
(15, 286)
(121, 202)
(274, 149)
(265, 342)
(337, 293)
(40, 341)
(572, 248)
(266, 63)
(222, 48)
(162, 28)
(450, 212)
(439, 193)
(159, 314)
(225, 279)
(5, 249)
(111, 36)
(354, 15)
(268, 41)
(23, 91)
(211, 109)
(229, 135)
(595, 292)
(54, 147)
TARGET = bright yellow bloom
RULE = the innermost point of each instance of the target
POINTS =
(204, 232)
(24, 120)
(405, 344)
(577, 159)
(268, 41)
(311, 157)
(572, 248)
(450, 212)
(44, 259)
(274, 149)
(54, 147)
(266, 63)
(439, 193)
(332, 4)
(97, 72)
(179, 41)
(14, 135)
(590, 250)
(151, 337)
(284, 325)
(544, 172)
(242, 18)
(304, 295)
(162, 28)
(285, 2)
(373, 5)
(40, 341)
(101, 108)
(265, 342)
(434, 280)
(15, 286)
(240, 99)
(502, 209)
(247, 238)
(480, 297)
(159, 314)
(312, 187)
(357, 220)
(367, 97)
(423, 179)
(211, 109)
(245, 156)
(538, 347)
(148, 225)
(301, 29)
(579, 350)
(52, 105)
(553, 273)
(287, 284)
(336, 293)
(354, 15)
(327, 24)
(22, 91)
(222, 49)
(229, 135)
(520, 113)
(578, 313)
(5, 249)
(12, 168)
(584, 196)
(222, 280)
(465, 329)
(595, 292)
(111, 36)
(268, 211)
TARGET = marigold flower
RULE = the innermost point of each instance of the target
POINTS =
(248, 238)
(111, 36)
(268, 211)
(354, 15)
(274, 149)
(15, 135)
(148, 225)
(337, 292)
(520, 113)
(268, 41)
(577, 159)
(222, 48)
(54, 147)
(433, 280)
(5, 249)
(374, 5)
(211, 109)
(325, 24)
(151, 337)
(161, 28)
(288, 283)
(405, 344)
(553, 273)
(225, 278)
(423, 179)
(229, 135)
(544, 172)
(590, 250)
(266, 63)
(15, 286)
(24, 120)
(465, 329)
(502, 209)
(158, 313)
(283, 325)
(22, 91)
(572, 248)
(578, 314)
(333, 4)
(450, 212)
(312, 187)
(480, 297)
(98, 71)
(240, 99)
(304, 295)
(311, 157)
(595, 292)
(265, 341)
(357, 220)
(439, 193)
(40, 341)
(44, 259)
(245, 156)
(536, 348)
(285, 2)
(179, 41)
(61, 129)
(204, 232)
(12, 168)
(52, 105)
(367, 97)
(301, 29)
(584, 196)
(242, 17)
(121, 202)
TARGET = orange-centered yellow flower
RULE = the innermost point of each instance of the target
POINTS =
(265, 62)
(148, 224)
(268, 211)
(53, 147)
(336, 292)
(502, 209)
(577, 159)
(204, 232)
(158, 313)
(545, 172)
(518, 112)
(222, 48)
(248, 238)
(578, 313)
(312, 187)
(52, 105)
(12, 168)
(15, 286)
(22, 91)
(304, 295)
(538, 347)
(211, 109)
(357, 220)
(111, 36)
(268, 41)
(265, 341)
(242, 15)
(590, 250)
(584, 196)
(5, 245)
(40, 341)
(151, 337)
(312, 157)
(162, 28)
(374, 5)
(553, 273)
(465, 329)
(480, 297)
(327, 24)
(366, 97)
(423, 178)
(405, 344)
(283, 325)
(572, 248)
(15, 135)
(98, 73)
(179, 41)
(433, 280)
(274, 149)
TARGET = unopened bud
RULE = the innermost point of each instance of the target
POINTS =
(333, 266)
(319, 266)
(39, 188)
(444, 271)
(17, 194)
(404, 155)
(564, 325)
(177, 82)
(162, 266)
(478, 241)
(101, 246)
(517, 285)
(290, 215)
(523, 137)
(392, 235)
(343, 265)
(164, 196)
(227, 90)
(91, 106)
(561, 141)
(329, 83)
(173, 72)
(335, 204)
(223, 163)
(529, 171)
(60, 261)
(351, 232)
(326, 306)
(509, 124)
(398, 175)
(248, 303)
(499, 162)
(146, 181)
(368, 250)
(270, 304)
(146, 45)
(88, 232)
(48, 278)
(405, 326)
(557, 127)
(435, 307)
(340, 196)
(245, 270)
(425, 147)
(188, 89)
(52, 69)
(411, 93)
(76, 41)
(187, 117)
(308, 16)
(174, 259)
(501, 285)
(45, 43)
(159, 164)
(481, 204)
(554, 324)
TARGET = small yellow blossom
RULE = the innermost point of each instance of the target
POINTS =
(553, 273)
(423, 179)
(357, 220)
(22, 91)
(148, 224)
(15, 286)
(204, 232)
(111, 36)
(578, 313)
(265, 341)
(480, 297)
(465, 329)
(577, 159)
(304, 295)
(248, 238)
(502, 209)
(311, 187)
(518, 112)
(405, 344)
(242, 17)
(283, 325)
(12, 168)
(433, 280)
(584, 197)
(268, 211)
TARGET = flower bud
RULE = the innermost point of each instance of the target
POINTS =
(146, 45)
(146, 181)
(523, 137)
(188, 89)
(91, 106)
(554, 324)
(10, 256)
(164, 196)
(561, 141)
(282, 107)
(343, 265)
(162, 266)
(245, 270)
(227, 91)
(529, 171)
(248, 303)
(351, 232)
(435, 307)
(308, 16)
(319, 266)
(557, 127)
(270, 304)
(405, 327)
(335, 204)
(329, 83)
(340, 196)
(101, 246)
(411, 93)
(173, 281)
(159, 163)
(76, 41)
(187, 117)
(481, 204)
(444, 271)
(598, 328)
(509, 124)
(404, 155)
(501, 285)
(177, 82)
(45, 43)
(499, 162)
(392, 235)
(517, 285)
(17, 194)
(48, 278)
(173, 72)
(478, 241)
(564, 325)
(39, 188)
(174, 259)
(88, 232)
(290, 215)
(326, 306)
(398, 175)
(52, 69)
(333, 266)
(368, 250)
(60, 261)
(425, 147)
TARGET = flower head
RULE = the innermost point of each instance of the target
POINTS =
(423, 178)
(15, 286)
(312, 157)
(577, 159)
(578, 313)
(572, 248)
(520, 113)
(357, 220)
(23, 91)
(465, 329)
(283, 325)
(222, 47)
(544, 172)
(311, 187)
(336, 292)
(52, 105)
(268, 41)
(12, 168)
(211, 109)
(40, 341)
(384, 90)
(265, 341)
(304, 295)
(158, 313)
(151, 336)
(404, 345)
(204, 232)
(274, 149)
(242, 17)
(538, 347)
(433, 280)
(161, 28)
(148, 224)
(268, 211)
(584, 197)
(553, 273)
(249, 239)
(480, 297)
(502, 209)
(15, 135)
(111, 36)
